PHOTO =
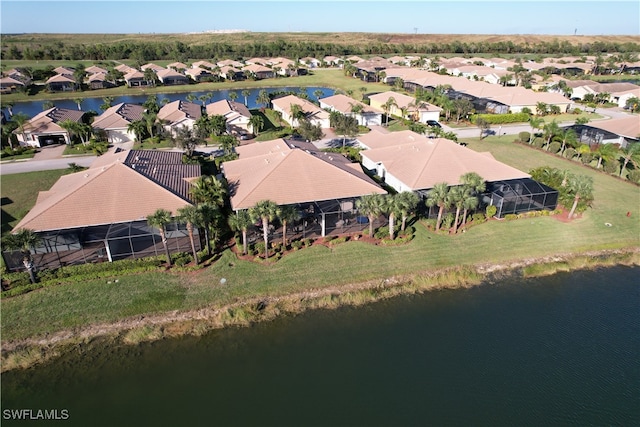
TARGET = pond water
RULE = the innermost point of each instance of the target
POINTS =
(32, 108)
(559, 350)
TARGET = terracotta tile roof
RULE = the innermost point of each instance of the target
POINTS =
(9, 81)
(403, 101)
(46, 121)
(180, 110)
(124, 68)
(311, 110)
(119, 116)
(111, 194)
(177, 65)
(230, 62)
(625, 126)
(97, 77)
(343, 103)
(152, 66)
(163, 74)
(60, 78)
(134, 74)
(203, 64)
(196, 72)
(64, 70)
(95, 69)
(256, 68)
(422, 163)
(290, 176)
(229, 109)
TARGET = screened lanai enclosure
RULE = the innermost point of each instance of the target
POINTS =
(519, 195)
(102, 243)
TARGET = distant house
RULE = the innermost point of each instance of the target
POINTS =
(100, 214)
(332, 61)
(178, 114)
(10, 85)
(170, 77)
(367, 116)
(314, 114)
(44, 128)
(586, 87)
(18, 75)
(323, 186)
(621, 97)
(178, 66)
(65, 71)
(407, 161)
(310, 62)
(260, 72)
(199, 74)
(125, 69)
(622, 131)
(115, 121)
(228, 72)
(236, 114)
(406, 106)
(230, 63)
(61, 83)
(137, 79)
(94, 69)
(154, 67)
(99, 81)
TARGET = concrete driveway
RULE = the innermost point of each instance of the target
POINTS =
(50, 152)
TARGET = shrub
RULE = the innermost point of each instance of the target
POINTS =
(296, 244)
(381, 233)
(538, 143)
(586, 158)
(524, 136)
(501, 118)
(554, 147)
(339, 240)
(478, 217)
(259, 247)
(328, 239)
(182, 259)
(577, 111)
(307, 243)
(409, 231)
(634, 176)
(510, 217)
(611, 167)
(570, 153)
(491, 211)
(430, 223)
(447, 221)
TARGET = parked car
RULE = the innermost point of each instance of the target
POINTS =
(244, 136)
(433, 123)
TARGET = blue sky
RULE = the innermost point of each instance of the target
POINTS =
(428, 16)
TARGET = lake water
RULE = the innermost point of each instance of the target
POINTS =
(559, 350)
(32, 108)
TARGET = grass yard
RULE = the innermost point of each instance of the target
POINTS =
(20, 191)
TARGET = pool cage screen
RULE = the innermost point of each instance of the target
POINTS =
(520, 195)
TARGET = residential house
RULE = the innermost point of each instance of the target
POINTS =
(621, 97)
(406, 106)
(10, 85)
(125, 69)
(228, 72)
(237, 115)
(94, 69)
(170, 77)
(367, 116)
(622, 131)
(18, 75)
(230, 63)
(61, 83)
(178, 66)
(256, 61)
(199, 74)
(258, 71)
(203, 64)
(99, 214)
(323, 186)
(584, 87)
(178, 114)
(137, 79)
(315, 115)
(311, 62)
(99, 81)
(332, 61)
(65, 71)
(44, 128)
(408, 161)
(115, 122)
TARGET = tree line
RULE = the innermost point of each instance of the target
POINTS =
(147, 51)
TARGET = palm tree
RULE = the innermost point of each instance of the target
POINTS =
(606, 152)
(191, 216)
(241, 221)
(24, 240)
(233, 96)
(581, 187)
(203, 99)
(287, 214)
(159, 219)
(439, 196)
(407, 202)
(263, 98)
(138, 127)
(257, 123)
(191, 97)
(211, 215)
(469, 203)
(106, 103)
(265, 211)
(71, 127)
(387, 107)
(372, 206)
(550, 131)
(246, 93)
(568, 137)
(318, 94)
(78, 102)
(209, 189)
(20, 119)
(297, 114)
(392, 208)
(457, 196)
(150, 121)
(631, 153)
(9, 106)
(535, 123)
(474, 185)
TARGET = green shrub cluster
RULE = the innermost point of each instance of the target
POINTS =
(478, 217)
(524, 136)
(381, 233)
(182, 259)
(17, 151)
(496, 119)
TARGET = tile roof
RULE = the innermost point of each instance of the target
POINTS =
(403, 101)
(119, 116)
(424, 162)
(625, 126)
(95, 69)
(343, 103)
(47, 121)
(290, 175)
(179, 110)
(60, 78)
(229, 109)
(311, 110)
(113, 193)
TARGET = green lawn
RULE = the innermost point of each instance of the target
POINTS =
(51, 309)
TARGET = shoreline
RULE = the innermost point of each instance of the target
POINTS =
(25, 353)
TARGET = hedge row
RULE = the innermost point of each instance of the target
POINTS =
(495, 119)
